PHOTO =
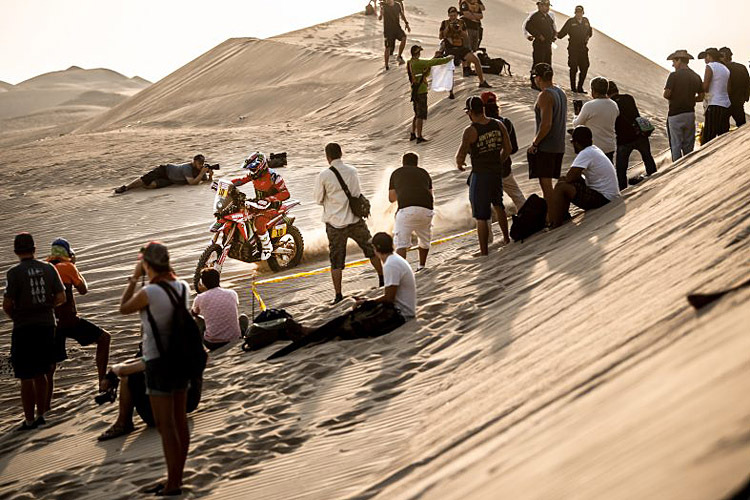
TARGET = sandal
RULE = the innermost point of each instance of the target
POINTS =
(116, 431)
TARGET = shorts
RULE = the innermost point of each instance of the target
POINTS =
(137, 386)
(420, 106)
(474, 37)
(84, 332)
(413, 220)
(157, 176)
(338, 237)
(545, 165)
(587, 198)
(32, 350)
(485, 191)
(392, 35)
(160, 381)
(458, 53)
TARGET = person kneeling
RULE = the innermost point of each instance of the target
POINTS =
(590, 183)
(215, 311)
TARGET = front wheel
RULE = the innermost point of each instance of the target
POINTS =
(208, 258)
(293, 246)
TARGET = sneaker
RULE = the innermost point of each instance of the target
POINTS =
(581, 91)
(39, 421)
(420, 140)
(387, 67)
(339, 297)
(420, 268)
(485, 85)
(25, 426)
(451, 95)
(401, 60)
(636, 180)
(121, 189)
(413, 137)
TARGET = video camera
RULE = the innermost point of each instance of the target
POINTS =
(277, 160)
(215, 166)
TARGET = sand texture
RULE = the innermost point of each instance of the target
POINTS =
(567, 366)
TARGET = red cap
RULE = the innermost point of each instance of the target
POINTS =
(488, 97)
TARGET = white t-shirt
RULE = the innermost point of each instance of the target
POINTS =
(598, 172)
(600, 115)
(718, 92)
(397, 272)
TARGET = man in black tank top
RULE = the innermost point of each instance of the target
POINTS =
(488, 142)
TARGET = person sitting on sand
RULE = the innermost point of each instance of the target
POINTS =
(590, 183)
(455, 41)
(215, 310)
(69, 324)
(165, 175)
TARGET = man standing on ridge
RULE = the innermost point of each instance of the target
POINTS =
(540, 28)
(578, 29)
(418, 71)
(472, 13)
(488, 143)
(390, 12)
(683, 89)
(739, 86)
(600, 115)
(716, 87)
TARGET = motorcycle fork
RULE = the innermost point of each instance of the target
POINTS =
(227, 245)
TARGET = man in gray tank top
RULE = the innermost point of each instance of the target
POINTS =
(546, 152)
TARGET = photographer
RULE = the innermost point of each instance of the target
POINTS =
(192, 173)
(455, 42)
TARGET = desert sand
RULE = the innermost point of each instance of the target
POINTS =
(566, 366)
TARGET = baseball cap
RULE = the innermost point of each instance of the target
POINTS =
(579, 7)
(582, 135)
(156, 254)
(415, 49)
(474, 104)
(542, 69)
(712, 51)
(488, 97)
(24, 243)
(452, 9)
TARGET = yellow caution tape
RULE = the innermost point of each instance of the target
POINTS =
(258, 298)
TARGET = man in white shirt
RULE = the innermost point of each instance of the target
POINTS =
(716, 87)
(600, 115)
(590, 183)
(341, 223)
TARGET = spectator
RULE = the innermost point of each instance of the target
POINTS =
(167, 392)
(455, 42)
(683, 89)
(579, 31)
(590, 183)
(600, 115)
(33, 291)
(165, 175)
(341, 223)
(629, 137)
(418, 71)
(69, 324)
(472, 13)
(216, 312)
(739, 86)
(487, 140)
(390, 12)
(411, 187)
(548, 148)
(510, 186)
(716, 87)
(540, 29)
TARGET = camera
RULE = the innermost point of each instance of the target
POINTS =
(277, 160)
(212, 167)
(455, 25)
(110, 395)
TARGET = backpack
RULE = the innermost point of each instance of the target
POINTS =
(185, 358)
(530, 219)
(360, 205)
(492, 65)
(643, 126)
(271, 326)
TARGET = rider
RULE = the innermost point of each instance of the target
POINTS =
(270, 190)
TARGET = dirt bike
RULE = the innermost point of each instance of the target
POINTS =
(234, 224)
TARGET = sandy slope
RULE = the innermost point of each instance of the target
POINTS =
(569, 366)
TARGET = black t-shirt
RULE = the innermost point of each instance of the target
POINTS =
(684, 84)
(470, 25)
(391, 15)
(486, 152)
(412, 185)
(625, 123)
(32, 285)
(739, 83)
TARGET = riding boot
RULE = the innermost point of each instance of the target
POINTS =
(266, 248)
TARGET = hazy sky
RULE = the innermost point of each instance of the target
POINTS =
(152, 38)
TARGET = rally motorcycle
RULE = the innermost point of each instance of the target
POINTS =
(234, 225)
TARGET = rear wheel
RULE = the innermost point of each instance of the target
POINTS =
(293, 245)
(208, 258)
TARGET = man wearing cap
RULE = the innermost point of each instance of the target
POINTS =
(488, 143)
(716, 87)
(390, 12)
(455, 42)
(418, 71)
(578, 29)
(683, 90)
(739, 86)
(69, 324)
(590, 183)
(33, 291)
(540, 28)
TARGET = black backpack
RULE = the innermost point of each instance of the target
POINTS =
(185, 358)
(531, 219)
(360, 205)
(492, 65)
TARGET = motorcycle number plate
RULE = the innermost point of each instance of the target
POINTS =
(223, 190)
(278, 231)
(216, 226)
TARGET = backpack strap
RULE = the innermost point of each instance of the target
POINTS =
(341, 181)
(172, 294)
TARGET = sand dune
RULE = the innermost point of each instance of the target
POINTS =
(568, 366)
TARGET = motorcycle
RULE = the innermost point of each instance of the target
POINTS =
(234, 224)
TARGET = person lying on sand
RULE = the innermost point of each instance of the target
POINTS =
(192, 173)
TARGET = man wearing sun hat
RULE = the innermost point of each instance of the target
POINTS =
(683, 89)
(33, 290)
